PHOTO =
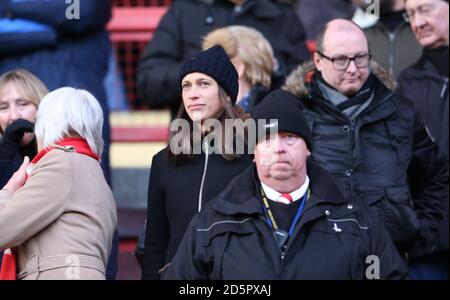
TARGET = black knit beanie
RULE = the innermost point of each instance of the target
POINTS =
(286, 108)
(213, 62)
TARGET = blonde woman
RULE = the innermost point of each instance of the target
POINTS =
(253, 57)
(20, 94)
(57, 213)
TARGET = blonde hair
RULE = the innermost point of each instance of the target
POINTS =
(28, 85)
(69, 112)
(245, 44)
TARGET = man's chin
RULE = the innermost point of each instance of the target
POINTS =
(280, 174)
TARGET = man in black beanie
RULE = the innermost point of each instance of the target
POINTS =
(283, 218)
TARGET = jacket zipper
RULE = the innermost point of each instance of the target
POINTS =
(444, 88)
(392, 36)
(206, 150)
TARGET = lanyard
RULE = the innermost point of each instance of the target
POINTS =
(270, 218)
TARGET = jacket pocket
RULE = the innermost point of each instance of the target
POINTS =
(397, 212)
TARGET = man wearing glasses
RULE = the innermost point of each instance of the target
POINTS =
(372, 141)
(426, 85)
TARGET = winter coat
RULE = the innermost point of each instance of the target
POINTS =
(64, 216)
(230, 238)
(254, 97)
(428, 90)
(393, 51)
(177, 191)
(385, 157)
(180, 33)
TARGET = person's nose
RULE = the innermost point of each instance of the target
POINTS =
(418, 21)
(13, 114)
(193, 93)
(278, 145)
(352, 68)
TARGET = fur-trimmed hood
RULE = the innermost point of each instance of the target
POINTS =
(296, 81)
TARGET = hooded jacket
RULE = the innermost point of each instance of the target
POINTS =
(384, 157)
(231, 240)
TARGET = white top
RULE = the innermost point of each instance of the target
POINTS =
(297, 194)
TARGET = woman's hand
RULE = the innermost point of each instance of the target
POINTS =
(18, 178)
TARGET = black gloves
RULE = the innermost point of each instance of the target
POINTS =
(12, 137)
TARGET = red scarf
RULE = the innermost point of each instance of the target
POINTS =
(9, 268)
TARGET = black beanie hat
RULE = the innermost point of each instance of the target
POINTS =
(213, 62)
(286, 108)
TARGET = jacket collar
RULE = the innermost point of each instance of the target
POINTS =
(427, 70)
(242, 196)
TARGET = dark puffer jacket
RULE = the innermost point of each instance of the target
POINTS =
(231, 240)
(181, 30)
(385, 157)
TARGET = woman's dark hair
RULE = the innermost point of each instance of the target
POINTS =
(187, 141)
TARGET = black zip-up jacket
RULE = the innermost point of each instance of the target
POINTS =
(230, 238)
(428, 90)
(180, 32)
(385, 157)
(174, 198)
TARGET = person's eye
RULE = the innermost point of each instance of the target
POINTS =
(361, 58)
(204, 83)
(3, 107)
(185, 86)
(341, 60)
(24, 103)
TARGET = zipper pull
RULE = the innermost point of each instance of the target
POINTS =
(444, 88)
(206, 146)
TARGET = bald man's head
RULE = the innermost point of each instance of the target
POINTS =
(343, 56)
(338, 25)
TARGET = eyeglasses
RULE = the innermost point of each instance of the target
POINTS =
(424, 10)
(341, 63)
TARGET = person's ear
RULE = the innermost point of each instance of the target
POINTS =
(317, 59)
(240, 68)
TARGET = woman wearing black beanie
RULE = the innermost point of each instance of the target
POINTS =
(187, 174)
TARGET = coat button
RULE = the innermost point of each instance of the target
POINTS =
(209, 20)
(327, 212)
(349, 172)
(346, 128)
(350, 206)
